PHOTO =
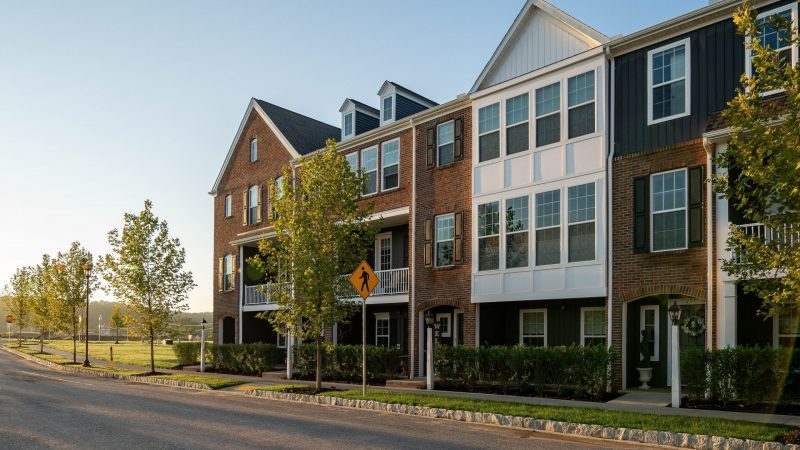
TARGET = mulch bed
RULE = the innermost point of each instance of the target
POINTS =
(566, 394)
(767, 408)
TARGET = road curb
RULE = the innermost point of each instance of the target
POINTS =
(106, 374)
(647, 437)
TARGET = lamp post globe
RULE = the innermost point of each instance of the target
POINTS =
(87, 271)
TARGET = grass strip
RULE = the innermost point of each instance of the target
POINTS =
(132, 353)
(211, 381)
(710, 426)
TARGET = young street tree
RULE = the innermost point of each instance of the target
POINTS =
(117, 320)
(145, 272)
(43, 303)
(763, 162)
(18, 297)
(70, 289)
(321, 234)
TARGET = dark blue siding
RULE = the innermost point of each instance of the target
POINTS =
(406, 107)
(365, 122)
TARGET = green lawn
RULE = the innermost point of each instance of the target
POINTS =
(126, 352)
(678, 424)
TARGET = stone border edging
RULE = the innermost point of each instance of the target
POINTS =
(650, 437)
(107, 374)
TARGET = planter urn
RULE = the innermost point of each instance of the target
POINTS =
(645, 375)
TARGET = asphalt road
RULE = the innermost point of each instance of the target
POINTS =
(41, 408)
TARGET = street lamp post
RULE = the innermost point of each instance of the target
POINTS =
(203, 345)
(675, 317)
(87, 271)
(429, 346)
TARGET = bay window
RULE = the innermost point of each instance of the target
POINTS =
(517, 232)
(489, 132)
(489, 236)
(581, 219)
(517, 124)
(580, 105)
(548, 227)
(548, 114)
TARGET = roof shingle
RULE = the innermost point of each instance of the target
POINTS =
(304, 133)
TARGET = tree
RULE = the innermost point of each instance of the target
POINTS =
(145, 272)
(763, 160)
(117, 321)
(70, 289)
(18, 296)
(321, 234)
(43, 303)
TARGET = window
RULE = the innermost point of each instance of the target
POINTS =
(444, 141)
(228, 205)
(517, 124)
(348, 124)
(533, 327)
(253, 149)
(489, 236)
(593, 326)
(668, 210)
(227, 273)
(580, 105)
(517, 232)
(548, 227)
(390, 164)
(281, 337)
(387, 109)
(352, 160)
(382, 328)
(668, 82)
(581, 203)
(649, 327)
(278, 192)
(787, 332)
(369, 165)
(445, 330)
(252, 205)
(548, 114)
(489, 132)
(774, 37)
(445, 233)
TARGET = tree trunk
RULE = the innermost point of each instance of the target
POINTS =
(319, 364)
(152, 355)
(41, 342)
(19, 338)
(74, 338)
(116, 341)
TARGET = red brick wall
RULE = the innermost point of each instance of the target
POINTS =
(637, 275)
(240, 175)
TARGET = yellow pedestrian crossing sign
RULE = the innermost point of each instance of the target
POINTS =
(364, 279)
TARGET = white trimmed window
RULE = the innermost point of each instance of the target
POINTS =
(648, 324)
(445, 330)
(382, 329)
(278, 192)
(489, 236)
(228, 205)
(548, 227)
(348, 124)
(444, 144)
(786, 328)
(581, 218)
(227, 273)
(281, 337)
(548, 114)
(369, 165)
(580, 105)
(253, 149)
(668, 210)
(517, 127)
(252, 205)
(390, 164)
(517, 232)
(352, 160)
(445, 234)
(533, 327)
(388, 109)
(668, 82)
(593, 326)
(775, 38)
(489, 132)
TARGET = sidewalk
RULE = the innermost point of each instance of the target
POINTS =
(618, 405)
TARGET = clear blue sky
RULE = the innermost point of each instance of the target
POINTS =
(104, 104)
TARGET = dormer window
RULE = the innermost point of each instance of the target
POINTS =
(387, 106)
(253, 150)
(348, 124)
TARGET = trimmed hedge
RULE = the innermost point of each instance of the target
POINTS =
(583, 371)
(247, 359)
(749, 375)
(343, 362)
(188, 353)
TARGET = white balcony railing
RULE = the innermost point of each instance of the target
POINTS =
(261, 294)
(786, 235)
(392, 282)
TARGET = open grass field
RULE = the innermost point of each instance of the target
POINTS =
(126, 352)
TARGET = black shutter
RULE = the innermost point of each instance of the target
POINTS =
(431, 149)
(696, 181)
(458, 141)
(428, 253)
(458, 241)
(641, 212)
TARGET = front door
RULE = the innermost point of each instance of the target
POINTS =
(383, 251)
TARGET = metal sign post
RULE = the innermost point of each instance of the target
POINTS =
(365, 281)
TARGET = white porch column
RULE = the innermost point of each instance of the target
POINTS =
(429, 358)
(726, 315)
(676, 368)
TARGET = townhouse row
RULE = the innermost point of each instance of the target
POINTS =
(563, 200)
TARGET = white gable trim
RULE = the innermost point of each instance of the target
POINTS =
(583, 31)
(252, 106)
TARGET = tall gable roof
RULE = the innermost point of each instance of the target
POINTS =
(304, 133)
(540, 35)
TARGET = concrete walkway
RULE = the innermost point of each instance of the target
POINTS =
(634, 401)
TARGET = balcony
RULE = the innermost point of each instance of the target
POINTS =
(786, 235)
(261, 294)
(392, 282)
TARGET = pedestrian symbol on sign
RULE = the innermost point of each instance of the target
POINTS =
(364, 280)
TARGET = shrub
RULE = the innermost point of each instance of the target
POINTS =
(249, 359)
(583, 370)
(188, 353)
(343, 362)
